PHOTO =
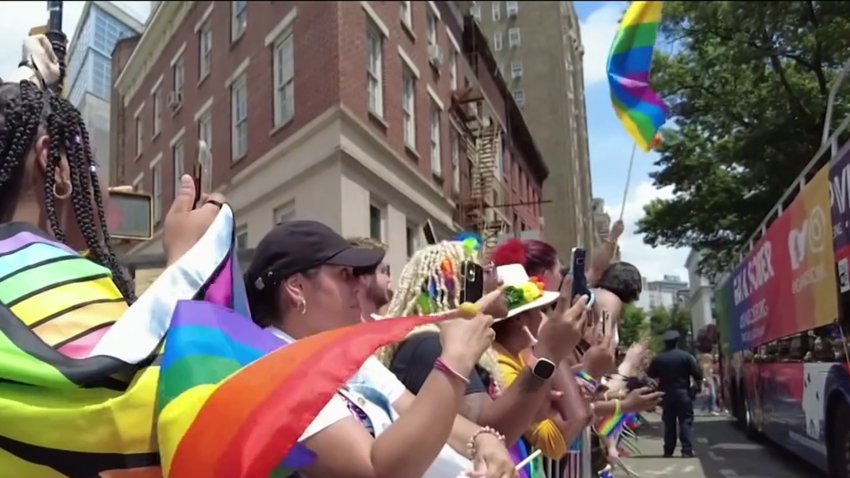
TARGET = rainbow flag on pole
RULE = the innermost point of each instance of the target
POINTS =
(638, 107)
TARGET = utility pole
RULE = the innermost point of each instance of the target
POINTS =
(58, 40)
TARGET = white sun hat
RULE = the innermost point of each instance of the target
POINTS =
(521, 291)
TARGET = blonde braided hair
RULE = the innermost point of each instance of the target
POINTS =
(426, 266)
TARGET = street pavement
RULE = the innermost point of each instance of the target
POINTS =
(722, 451)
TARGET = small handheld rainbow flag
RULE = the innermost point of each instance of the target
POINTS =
(636, 105)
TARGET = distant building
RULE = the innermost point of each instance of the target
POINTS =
(89, 75)
(539, 50)
(668, 293)
(701, 301)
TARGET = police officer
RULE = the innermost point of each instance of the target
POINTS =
(673, 369)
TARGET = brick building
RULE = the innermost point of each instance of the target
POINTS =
(364, 115)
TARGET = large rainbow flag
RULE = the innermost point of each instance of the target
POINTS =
(639, 109)
(88, 390)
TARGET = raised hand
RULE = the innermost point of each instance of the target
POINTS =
(464, 340)
(561, 329)
(183, 225)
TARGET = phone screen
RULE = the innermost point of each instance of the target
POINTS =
(577, 261)
(428, 230)
(473, 282)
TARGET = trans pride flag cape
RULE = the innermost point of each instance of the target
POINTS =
(86, 391)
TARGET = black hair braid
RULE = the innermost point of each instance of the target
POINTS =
(65, 123)
(19, 122)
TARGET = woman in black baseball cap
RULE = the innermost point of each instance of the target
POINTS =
(304, 280)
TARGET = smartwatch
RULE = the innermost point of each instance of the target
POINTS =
(543, 369)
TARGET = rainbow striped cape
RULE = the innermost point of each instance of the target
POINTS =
(167, 387)
(639, 109)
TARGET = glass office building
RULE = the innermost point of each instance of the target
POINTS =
(89, 74)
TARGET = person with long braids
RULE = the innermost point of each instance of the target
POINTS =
(79, 376)
(431, 283)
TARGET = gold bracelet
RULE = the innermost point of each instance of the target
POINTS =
(473, 450)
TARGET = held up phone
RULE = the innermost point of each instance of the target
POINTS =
(201, 171)
(428, 230)
(578, 257)
(473, 282)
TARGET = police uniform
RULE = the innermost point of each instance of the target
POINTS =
(674, 369)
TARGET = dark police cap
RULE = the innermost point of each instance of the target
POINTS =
(670, 336)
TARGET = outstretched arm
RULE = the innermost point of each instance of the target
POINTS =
(605, 254)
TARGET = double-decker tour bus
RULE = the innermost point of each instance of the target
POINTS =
(783, 315)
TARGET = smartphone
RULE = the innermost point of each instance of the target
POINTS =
(428, 230)
(201, 171)
(473, 282)
(578, 257)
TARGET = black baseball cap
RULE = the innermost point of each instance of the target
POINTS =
(297, 246)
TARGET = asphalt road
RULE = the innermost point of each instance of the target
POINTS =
(722, 451)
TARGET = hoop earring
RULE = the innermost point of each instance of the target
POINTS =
(303, 306)
(63, 195)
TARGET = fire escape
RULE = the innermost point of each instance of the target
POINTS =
(482, 140)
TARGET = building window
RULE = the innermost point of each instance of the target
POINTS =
(453, 70)
(497, 11)
(284, 80)
(239, 120)
(407, 14)
(516, 69)
(513, 37)
(408, 107)
(177, 74)
(242, 238)
(511, 8)
(139, 135)
(239, 20)
(157, 112)
(177, 156)
(436, 159)
(376, 222)
(284, 213)
(475, 11)
(156, 191)
(455, 145)
(497, 41)
(205, 42)
(519, 97)
(432, 28)
(410, 241)
(375, 44)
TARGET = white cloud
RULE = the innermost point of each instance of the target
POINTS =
(656, 262)
(20, 16)
(597, 33)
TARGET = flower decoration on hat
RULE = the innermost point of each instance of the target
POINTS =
(524, 294)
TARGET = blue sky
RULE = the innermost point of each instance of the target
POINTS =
(610, 146)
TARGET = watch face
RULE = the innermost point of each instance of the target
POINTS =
(544, 368)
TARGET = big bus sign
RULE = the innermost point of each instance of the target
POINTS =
(787, 276)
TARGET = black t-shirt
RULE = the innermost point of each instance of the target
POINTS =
(674, 369)
(414, 361)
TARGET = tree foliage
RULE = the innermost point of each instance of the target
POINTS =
(747, 86)
(633, 325)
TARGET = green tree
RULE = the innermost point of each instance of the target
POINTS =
(660, 321)
(633, 325)
(747, 86)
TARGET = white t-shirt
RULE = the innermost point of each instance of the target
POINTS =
(373, 389)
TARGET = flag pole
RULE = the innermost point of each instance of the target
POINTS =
(628, 179)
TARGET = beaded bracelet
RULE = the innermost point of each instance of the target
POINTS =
(473, 450)
(443, 367)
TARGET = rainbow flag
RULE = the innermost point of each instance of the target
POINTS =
(234, 399)
(639, 109)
